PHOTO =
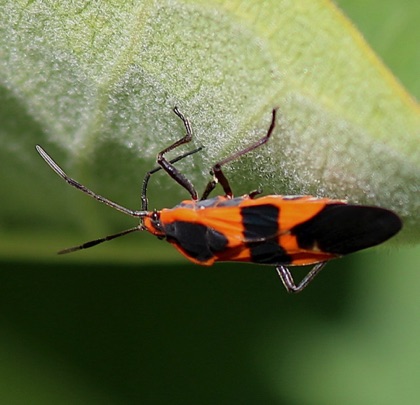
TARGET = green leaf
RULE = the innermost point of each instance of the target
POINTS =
(94, 83)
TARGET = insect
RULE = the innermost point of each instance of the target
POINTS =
(281, 231)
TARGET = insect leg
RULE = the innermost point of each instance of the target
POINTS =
(167, 165)
(216, 170)
(254, 193)
(144, 201)
(287, 278)
(209, 188)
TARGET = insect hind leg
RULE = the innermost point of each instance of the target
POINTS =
(288, 281)
(216, 171)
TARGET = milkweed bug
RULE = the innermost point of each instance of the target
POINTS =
(281, 231)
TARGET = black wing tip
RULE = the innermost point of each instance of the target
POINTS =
(377, 226)
(393, 222)
(342, 229)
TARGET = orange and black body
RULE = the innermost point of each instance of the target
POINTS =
(272, 230)
(279, 231)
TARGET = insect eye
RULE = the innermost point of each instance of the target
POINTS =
(156, 220)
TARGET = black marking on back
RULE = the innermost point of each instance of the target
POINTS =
(260, 221)
(198, 241)
(261, 224)
(343, 229)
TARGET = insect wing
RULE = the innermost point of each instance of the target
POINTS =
(298, 230)
(344, 229)
(258, 230)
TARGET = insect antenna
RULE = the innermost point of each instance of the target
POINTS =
(95, 242)
(48, 159)
(140, 214)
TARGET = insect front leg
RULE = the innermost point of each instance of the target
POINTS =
(169, 167)
(144, 200)
(288, 281)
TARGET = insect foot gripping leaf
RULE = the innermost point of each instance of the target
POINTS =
(280, 231)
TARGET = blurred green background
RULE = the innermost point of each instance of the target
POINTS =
(75, 330)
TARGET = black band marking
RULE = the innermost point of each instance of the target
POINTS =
(196, 240)
(261, 223)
